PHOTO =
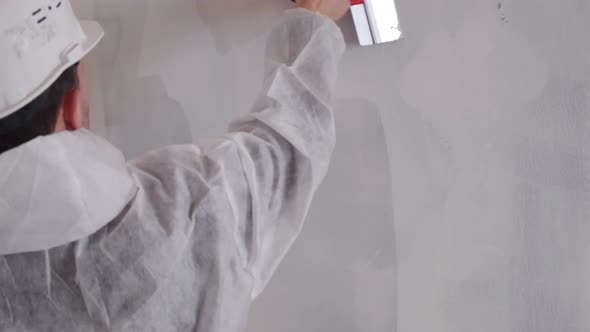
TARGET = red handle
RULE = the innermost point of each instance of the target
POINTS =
(352, 2)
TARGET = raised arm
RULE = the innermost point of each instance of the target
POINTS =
(285, 144)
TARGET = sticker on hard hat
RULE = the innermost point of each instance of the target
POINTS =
(35, 32)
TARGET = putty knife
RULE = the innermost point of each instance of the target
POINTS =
(376, 21)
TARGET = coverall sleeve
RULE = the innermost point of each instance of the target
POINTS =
(284, 146)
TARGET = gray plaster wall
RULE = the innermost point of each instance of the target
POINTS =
(459, 196)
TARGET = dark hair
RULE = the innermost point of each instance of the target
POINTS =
(39, 117)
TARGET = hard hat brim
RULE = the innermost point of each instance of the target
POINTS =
(94, 33)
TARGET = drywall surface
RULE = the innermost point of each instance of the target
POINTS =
(459, 196)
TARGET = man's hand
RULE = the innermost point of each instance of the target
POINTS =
(334, 9)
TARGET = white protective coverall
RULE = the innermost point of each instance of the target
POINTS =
(183, 238)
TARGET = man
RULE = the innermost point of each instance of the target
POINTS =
(182, 239)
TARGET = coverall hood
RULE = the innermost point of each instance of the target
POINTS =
(58, 189)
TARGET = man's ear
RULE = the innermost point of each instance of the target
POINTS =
(72, 115)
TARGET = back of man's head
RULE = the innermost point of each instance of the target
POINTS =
(41, 44)
(39, 117)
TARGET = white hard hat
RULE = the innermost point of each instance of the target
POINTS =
(39, 40)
